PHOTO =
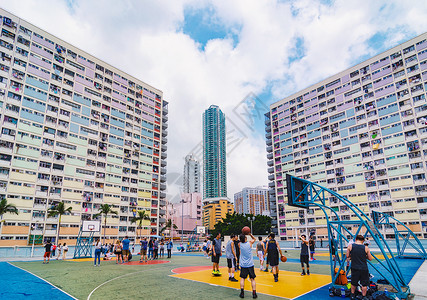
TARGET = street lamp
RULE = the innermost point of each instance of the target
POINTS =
(33, 227)
(251, 219)
(182, 220)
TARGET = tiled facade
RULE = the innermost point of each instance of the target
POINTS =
(214, 210)
(252, 201)
(362, 133)
(77, 130)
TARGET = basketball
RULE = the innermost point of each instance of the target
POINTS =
(283, 258)
(246, 230)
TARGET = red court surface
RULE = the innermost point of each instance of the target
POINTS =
(190, 269)
(150, 262)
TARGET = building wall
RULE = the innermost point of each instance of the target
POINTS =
(77, 130)
(214, 153)
(362, 133)
(251, 201)
(187, 215)
(215, 210)
(191, 175)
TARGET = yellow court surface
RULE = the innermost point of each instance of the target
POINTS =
(290, 284)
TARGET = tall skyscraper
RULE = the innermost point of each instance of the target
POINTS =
(77, 130)
(214, 153)
(252, 201)
(362, 133)
(191, 182)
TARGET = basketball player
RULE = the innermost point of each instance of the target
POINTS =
(273, 250)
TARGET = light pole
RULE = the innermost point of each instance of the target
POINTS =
(251, 219)
(182, 221)
(32, 246)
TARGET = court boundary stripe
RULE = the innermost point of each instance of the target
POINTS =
(44, 280)
(310, 291)
(112, 279)
(228, 287)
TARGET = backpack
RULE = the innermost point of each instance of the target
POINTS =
(342, 278)
(129, 256)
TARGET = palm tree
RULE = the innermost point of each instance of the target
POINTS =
(169, 225)
(6, 208)
(105, 210)
(58, 209)
(139, 219)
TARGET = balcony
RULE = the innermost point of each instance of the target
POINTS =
(269, 148)
(268, 142)
(164, 155)
(270, 163)
(271, 170)
(268, 135)
(271, 177)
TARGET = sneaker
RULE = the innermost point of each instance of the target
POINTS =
(308, 272)
(214, 272)
(254, 295)
(242, 294)
(303, 273)
(232, 279)
(276, 279)
(266, 270)
(218, 273)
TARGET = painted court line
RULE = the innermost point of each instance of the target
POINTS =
(112, 279)
(43, 280)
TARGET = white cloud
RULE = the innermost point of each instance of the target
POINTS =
(145, 39)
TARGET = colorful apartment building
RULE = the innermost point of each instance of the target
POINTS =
(361, 133)
(214, 210)
(78, 130)
(252, 201)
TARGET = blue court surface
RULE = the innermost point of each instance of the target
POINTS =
(16, 283)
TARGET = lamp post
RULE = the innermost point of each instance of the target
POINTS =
(251, 219)
(32, 246)
(182, 220)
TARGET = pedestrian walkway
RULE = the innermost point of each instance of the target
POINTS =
(20, 284)
(418, 283)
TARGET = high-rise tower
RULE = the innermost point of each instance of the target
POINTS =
(191, 175)
(214, 161)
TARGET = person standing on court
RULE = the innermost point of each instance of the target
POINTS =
(237, 249)
(143, 250)
(125, 251)
(47, 247)
(260, 249)
(98, 247)
(64, 251)
(230, 254)
(155, 249)
(359, 254)
(304, 256)
(247, 264)
(169, 247)
(59, 251)
(272, 251)
(312, 245)
(216, 254)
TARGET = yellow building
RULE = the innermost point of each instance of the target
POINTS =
(214, 210)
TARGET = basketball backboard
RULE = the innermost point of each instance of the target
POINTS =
(91, 226)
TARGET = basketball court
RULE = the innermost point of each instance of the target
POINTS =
(290, 284)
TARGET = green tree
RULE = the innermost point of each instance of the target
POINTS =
(233, 223)
(169, 225)
(58, 209)
(139, 219)
(105, 210)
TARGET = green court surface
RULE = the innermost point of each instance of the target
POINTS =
(111, 281)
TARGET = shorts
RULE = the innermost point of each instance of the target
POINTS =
(46, 254)
(261, 255)
(215, 258)
(126, 252)
(231, 263)
(359, 275)
(204, 248)
(144, 252)
(312, 252)
(244, 272)
(273, 260)
(207, 250)
(303, 259)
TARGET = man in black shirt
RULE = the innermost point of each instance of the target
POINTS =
(237, 250)
(359, 254)
(47, 250)
(304, 257)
